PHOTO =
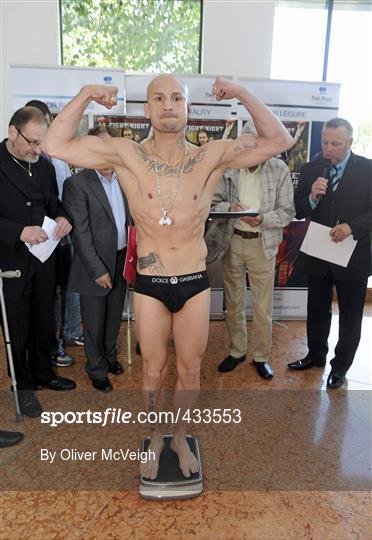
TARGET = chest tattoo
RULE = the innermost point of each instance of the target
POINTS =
(164, 169)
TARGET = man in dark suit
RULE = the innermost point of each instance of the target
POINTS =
(29, 193)
(336, 191)
(100, 215)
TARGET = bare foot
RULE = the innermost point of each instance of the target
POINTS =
(150, 468)
(188, 462)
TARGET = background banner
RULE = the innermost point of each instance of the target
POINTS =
(56, 86)
(303, 107)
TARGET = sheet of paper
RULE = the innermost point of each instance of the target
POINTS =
(318, 243)
(43, 251)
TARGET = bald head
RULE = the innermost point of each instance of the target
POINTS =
(167, 104)
(157, 84)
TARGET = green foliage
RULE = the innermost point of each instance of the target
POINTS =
(363, 137)
(134, 35)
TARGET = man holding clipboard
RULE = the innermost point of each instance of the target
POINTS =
(256, 204)
(336, 191)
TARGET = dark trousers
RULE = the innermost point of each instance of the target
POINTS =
(351, 297)
(101, 316)
(31, 324)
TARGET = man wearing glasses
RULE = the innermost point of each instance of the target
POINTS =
(28, 194)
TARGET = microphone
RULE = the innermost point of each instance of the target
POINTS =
(10, 274)
(325, 174)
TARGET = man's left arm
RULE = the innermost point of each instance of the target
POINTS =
(361, 225)
(284, 210)
(248, 150)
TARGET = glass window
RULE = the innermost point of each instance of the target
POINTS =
(299, 41)
(350, 64)
(300, 30)
(147, 36)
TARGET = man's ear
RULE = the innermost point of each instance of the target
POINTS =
(12, 133)
(147, 111)
(189, 108)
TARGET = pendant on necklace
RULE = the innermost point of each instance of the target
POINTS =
(165, 219)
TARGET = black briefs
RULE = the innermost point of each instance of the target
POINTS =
(173, 291)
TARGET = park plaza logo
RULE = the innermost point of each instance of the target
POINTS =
(321, 97)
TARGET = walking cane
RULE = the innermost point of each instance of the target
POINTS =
(10, 274)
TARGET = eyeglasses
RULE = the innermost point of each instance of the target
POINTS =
(31, 143)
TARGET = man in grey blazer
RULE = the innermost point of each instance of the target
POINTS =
(100, 215)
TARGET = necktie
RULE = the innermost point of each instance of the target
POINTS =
(334, 177)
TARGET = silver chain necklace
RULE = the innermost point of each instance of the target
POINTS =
(28, 171)
(165, 218)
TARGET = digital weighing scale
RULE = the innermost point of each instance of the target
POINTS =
(170, 482)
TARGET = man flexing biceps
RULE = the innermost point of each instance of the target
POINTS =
(169, 184)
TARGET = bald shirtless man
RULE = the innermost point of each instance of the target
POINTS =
(169, 184)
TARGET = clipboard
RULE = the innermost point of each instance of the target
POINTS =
(234, 215)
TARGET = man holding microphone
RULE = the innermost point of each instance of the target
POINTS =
(343, 202)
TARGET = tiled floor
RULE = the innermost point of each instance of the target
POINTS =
(297, 466)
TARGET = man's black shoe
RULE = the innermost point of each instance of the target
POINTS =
(10, 438)
(305, 363)
(230, 363)
(103, 385)
(335, 380)
(57, 383)
(116, 368)
(29, 404)
(263, 369)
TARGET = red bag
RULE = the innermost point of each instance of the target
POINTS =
(130, 265)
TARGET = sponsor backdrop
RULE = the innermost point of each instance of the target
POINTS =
(303, 107)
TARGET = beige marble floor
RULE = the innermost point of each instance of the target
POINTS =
(298, 465)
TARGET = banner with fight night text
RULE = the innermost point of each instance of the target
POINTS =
(136, 128)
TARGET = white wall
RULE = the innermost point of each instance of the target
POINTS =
(237, 37)
(29, 35)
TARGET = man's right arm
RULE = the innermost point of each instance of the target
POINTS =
(13, 234)
(89, 152)
(303, 193)
(248, 150)
(74, 200)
